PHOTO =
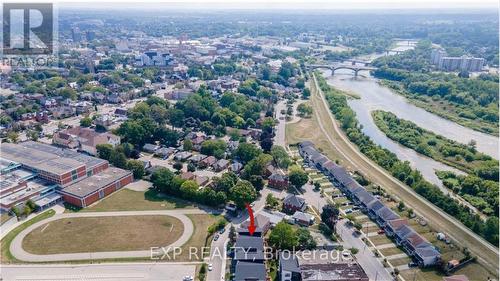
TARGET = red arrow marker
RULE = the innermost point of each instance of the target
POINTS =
(251, 227)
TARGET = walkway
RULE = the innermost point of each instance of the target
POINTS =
(19, 253)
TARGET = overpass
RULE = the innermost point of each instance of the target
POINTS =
(333, 67)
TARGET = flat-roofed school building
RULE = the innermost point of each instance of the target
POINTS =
(92, 189)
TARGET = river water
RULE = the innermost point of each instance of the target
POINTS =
(374, 96)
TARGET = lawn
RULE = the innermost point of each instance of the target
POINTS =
(6, 256)
(380, 240)
(192, 250)
(98, 234)
(400, 261)
(129, 200)
(391, 251)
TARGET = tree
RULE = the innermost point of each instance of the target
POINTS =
(283, 237)
(214, 147)
(266, 144)
(189, 189)
(13, 136)
(191, 167)
(104, 150)
(118, 159)
(330, 215)
(32, 135)
(247, 151)
(178, 166)
(280, 156)
(305, 239)
(225, 182)
(136, 167)
(242, 193)
(187, 145)
(85, 122)
(297, 176)
(271, 201)
(304, 110)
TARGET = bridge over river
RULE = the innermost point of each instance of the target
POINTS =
(355, 66)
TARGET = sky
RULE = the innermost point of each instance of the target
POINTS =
(287, 4)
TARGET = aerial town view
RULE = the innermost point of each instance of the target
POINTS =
(219, 140)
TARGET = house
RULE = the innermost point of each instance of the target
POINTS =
(288, 267)
(394, 225)
(318, 265)
(84, 139)
(385, 215)
(262, 224)
(207, 162)
(401, 234)
(63, 112)
(165, 152)
(249, 271)
(202, 180)
(236, 167)
(195, 159)
(182, 155)
(122, 112)
(150, 148)
(249, 249)
(373, 207)
(188, 176)
(278, 180)
(221, 165)
(104, 121)
(303, 219)
(427, 256)
(293, 203)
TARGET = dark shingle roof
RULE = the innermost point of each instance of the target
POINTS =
(245, 271)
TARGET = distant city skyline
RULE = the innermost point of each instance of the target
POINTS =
(287, 4)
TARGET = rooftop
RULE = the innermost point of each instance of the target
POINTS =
(95, 182)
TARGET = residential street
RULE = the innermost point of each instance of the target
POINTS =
(372, 266)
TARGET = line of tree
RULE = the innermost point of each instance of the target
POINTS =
(402, 170)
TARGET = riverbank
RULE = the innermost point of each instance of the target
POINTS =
(443, 109)
(400, 170)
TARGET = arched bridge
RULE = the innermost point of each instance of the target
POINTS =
(334, 67)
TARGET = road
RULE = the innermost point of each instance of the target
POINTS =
(372, 266)
(98, 272)
(218, 257)
(19, 253)
(487, 254)
(279, 139)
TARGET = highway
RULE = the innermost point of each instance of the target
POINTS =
(487, 254)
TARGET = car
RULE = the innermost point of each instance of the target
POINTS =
(355, 208)
(345, 254)
(216, 237)
(412, 264)
(210, 267)
(348, 211)
(381, 231)
(222, 230)
(187, 278)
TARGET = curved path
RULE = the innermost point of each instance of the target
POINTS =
(19, 253)
(487, 253)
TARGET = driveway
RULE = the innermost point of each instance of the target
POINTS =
(19, 253)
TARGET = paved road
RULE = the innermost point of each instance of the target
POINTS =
(218, 257)
(487, 254)
(98, 272)
(372, 266)
(19, 253)
(279, 139)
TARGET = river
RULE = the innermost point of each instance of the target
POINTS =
(374, 96)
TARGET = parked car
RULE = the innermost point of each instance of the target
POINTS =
(222, 230)
(216, 237)
(355, 208)
(348, 211)
(412, 264)
(187, 278)
(210, 267)
(381, 231)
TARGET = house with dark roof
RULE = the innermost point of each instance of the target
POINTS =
(151, 148)
(249, 249)
(236, 167)
(373, 207)
(221, 165)
(401, 234)
(426, 256)
(362, 198)
(249, 271)
(384, 215)
(288, 267)
(394, 225)
(278, 180)
(293, 203)
(303, 219)
(207, 162)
